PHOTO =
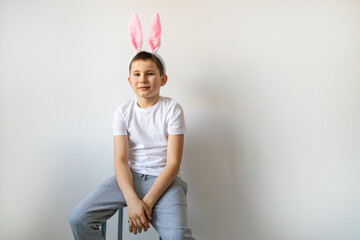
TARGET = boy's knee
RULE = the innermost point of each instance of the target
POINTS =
(76, 218)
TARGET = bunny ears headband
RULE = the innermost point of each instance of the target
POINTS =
(153, 38)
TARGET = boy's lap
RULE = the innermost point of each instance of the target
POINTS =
(107, 196)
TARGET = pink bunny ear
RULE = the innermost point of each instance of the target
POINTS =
(153, 39)
(135, 32)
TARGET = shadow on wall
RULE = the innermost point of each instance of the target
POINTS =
(210, 166)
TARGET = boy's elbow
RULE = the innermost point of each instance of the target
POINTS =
(174, 166)
(120, 161)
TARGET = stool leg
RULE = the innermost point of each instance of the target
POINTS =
(120, 223)
(103, 230)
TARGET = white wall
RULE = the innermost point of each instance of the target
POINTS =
(271, 93)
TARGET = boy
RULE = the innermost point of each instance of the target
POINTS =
(148, 144)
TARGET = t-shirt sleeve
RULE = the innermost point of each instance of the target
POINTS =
(176, 120)
(119, 125)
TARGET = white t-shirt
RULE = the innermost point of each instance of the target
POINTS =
(148, 130)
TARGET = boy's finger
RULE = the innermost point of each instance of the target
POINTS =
(132, 223)
(138, 222)
(135, 222)
(144, 222)
(131, 226)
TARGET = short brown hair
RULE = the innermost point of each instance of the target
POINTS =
(148, 56)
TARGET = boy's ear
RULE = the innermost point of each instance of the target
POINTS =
(164, 79)
(129, 80)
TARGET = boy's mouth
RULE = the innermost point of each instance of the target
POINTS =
(144, 88)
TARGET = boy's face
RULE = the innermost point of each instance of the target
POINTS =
(145, 79)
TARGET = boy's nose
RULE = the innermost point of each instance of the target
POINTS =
(143, 79)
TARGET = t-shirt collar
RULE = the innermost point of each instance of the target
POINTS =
(156, 105)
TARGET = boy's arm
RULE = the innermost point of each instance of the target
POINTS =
(137, 210)
(170, 171)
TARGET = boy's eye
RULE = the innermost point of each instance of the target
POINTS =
(136, 74)
(150, 74)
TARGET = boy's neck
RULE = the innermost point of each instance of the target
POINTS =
(146, 103)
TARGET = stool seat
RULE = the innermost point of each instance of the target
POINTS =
(120, 225)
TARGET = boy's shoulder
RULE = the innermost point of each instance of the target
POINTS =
(168, 101)
(125, 108)
(170, 104)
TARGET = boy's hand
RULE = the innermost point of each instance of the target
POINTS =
(134, 229)
(139, 216)
(148, 215)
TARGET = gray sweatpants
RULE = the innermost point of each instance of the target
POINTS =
(169, 216)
